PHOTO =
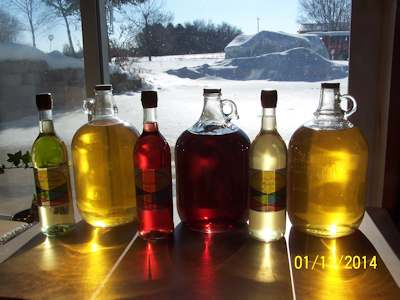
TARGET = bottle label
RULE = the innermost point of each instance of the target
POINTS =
(52, 185)
(153, 188)
(267, 190)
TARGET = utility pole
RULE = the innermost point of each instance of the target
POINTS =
(258, 24)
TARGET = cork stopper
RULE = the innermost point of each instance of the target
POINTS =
(149, 99)
(269, 98)
(103, 87)
(330, 85)
(44, 101)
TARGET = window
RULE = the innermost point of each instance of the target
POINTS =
(44, 57)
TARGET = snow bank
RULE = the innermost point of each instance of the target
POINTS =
(55, 59)
(266, 42)
(298, 64)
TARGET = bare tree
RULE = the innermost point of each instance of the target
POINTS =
(331, 13)
(145, 15)
(9, 27)
(33, 11)
(65, 9)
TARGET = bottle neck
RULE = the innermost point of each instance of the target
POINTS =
(268, 119)
(46, 121)
(212, 110)
(104, 105)
(150, 119)
(329, 105)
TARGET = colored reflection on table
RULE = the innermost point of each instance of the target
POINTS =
(342, 268)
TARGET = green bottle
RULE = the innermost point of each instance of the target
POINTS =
(52, 179)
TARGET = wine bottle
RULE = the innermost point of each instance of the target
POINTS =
(267, 211)
(152, 160)
(51, 172)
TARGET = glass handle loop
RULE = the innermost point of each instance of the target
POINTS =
(88, 106)
(233, 114)
(353, 109)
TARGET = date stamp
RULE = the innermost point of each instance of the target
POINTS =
(346, 262)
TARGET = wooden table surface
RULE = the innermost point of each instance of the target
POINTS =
(114, 264)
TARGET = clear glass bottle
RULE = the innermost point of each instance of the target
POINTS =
(51, 171)
(327, 167)
(212, 169)
(152, 159)
(102, 152)
(267, 211)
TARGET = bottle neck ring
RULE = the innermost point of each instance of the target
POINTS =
(46, 121)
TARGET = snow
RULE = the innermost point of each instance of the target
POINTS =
(55, 59)
(181, 102)
(266, 42)
(298, 64)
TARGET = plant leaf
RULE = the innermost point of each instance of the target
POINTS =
(15, 158)
(26, 159)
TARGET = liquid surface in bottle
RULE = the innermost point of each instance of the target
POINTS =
(53, 186)
(212, 180)
(153, 184)
(104, 172)
(267, 209)
(326, 180)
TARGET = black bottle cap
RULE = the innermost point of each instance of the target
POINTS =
(211, 91)
(149, 99)
(103, 87)
(269, 98)
(330, 85)
(44, 101)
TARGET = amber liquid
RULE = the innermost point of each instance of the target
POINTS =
(212, 180)
(104, 172)
(326, 180)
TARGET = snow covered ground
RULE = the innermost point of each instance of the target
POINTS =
(181, 101)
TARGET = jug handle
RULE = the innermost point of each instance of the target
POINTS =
(233, 114)
(348, 98)
(88, 106)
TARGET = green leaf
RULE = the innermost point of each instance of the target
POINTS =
(26, 159)
(15, 159)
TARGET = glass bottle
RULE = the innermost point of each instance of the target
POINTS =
(212, 169)
(327, 166)
(103, 164)
(152, 159)
(267, 211)
(51, 171)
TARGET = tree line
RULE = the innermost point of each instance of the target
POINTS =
(196, 37)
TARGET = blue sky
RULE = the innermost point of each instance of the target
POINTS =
(273, 15)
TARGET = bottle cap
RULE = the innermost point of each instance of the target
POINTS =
(149, 99)
(211, 91)
(44, 101)
(103, 87)
(330, 85)
(269, 98)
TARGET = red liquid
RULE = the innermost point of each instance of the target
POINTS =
(212, 180)
(152, 158)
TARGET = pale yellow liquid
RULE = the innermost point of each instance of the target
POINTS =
(104, 173)
(267, 153)
(326, 180)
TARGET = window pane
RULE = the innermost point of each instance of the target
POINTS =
(44, 57)
(239, 48)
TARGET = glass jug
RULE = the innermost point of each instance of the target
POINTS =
(102, 152)
(327, 166)
(212, 169)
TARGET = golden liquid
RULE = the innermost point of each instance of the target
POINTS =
(267, 153)
(326, 180)
(102, 152)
